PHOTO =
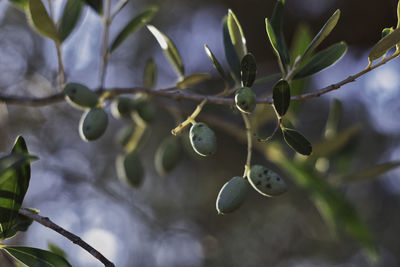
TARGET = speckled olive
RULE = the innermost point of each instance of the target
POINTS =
(203, 139)
(232, 195)
(79, 96)
(266, 182)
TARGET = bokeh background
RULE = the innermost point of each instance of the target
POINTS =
(172, 221)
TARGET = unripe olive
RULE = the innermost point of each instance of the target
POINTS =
(266, 182)
(122, 107)
(130, 169)
(145, 109)
(232, 195)
(80, 96)
(93, 124)
(124, 134)
(168, 155)
(245, 99)
(203, 139)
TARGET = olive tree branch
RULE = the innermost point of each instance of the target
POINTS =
(180, 94)
(45, 221)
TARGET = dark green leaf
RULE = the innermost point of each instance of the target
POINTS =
(297, 141)
(335, 115)
(135, 24)
(21, 224)
(384, 45)
(23, 172)
(193, 79)
(169, 50)
(13, 160)
(34, 257)
(57, 250)
(70, 17)
(41, 21)
(281, 97)
(302, 37)
(215, 62)
(248, 70)
(322, 60)
(323, 33)
(268, 78)
(20, 3)
(236, 34)
(277, 25)
(150, 74)
(97, 5)
(230, 53)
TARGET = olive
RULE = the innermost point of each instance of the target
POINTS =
(145, 109)
(130, 170)
(79, 96)
(245, 99)
(203, 139)
(93, 124)
(232, 195)
(266, 182)
(122, 107)
(168, 155)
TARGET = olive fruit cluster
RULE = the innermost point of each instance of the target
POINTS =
(234, 192)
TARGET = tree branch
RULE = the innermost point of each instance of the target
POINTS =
(181, 94)
(45, 221)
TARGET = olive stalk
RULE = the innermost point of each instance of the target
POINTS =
(247, 123)
(105, 52)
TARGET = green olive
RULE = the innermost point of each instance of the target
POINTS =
(145, 109)
(80, 96)
(130, 169)
(93, 124)
(266, 182)
(168, 155)
(245, 99)
(232, 195)
(122, 107)
(203, 139)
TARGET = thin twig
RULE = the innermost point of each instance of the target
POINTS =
(249, 144)
(105, 52)
(45, 221)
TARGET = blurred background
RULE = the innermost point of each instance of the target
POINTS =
(171, 220)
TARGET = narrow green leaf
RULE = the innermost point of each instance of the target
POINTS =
(21, 224)
(274, 42)
(248, 70)
(323, 33)
(297, 141)
(236, 35)
(215, 62)
(150, 74)
(20, 3)
(334, 117)
(97, 5)
(277, 25)
(322, 60)
(57, 250)
(34, 257)
(70, 17)
(302, 37)
(135, 24)
(230, 53)
(169, 49)
(193, 79)
(41, 21)
(268, 78)
(281, 97)
(384, 44)
(23, 172)
(398, 14)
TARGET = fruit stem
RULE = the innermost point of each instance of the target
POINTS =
(137, 135)
(249, 144)
(190, 119)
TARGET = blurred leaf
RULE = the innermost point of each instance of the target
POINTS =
(150, 74)
(268, 78)
(34, 257)
(273, 40)
(20, 3)
(297, 141)
(387, 31)
(322, 60)
(335, 209)
(230, 53)
(24, 172)
(21, 224)
(13, 160)
(193, 79)
(302, 37)
(70, 17)
(135, 24)
(384, 44)
(281, 97)
(57, 250)
(215, 62)
(119, 6)
(328, 147)
(169, 50)
(323, 33)
(97, 5)
(368, 173)
(248, 70)
(236, 34)
(277, 25)
(41, 20)
(398, 14)
(334, 117)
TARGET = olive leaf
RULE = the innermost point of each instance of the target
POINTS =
(20, 3)
(133, 25)
(236, 35)
(150, 73)
(277, 26)
(322, 60)
(169, 50)
(70, 17)
(40, 20)
(297, 141)
(302, 37)
(97, 5)
(21, 223)
(273, 40)
(248, 71)
(231, 55)
(193, 79)
(56, 250)
(334, 117)
(384, 44)
(398, 14)
(35, 257)
(215, 62)
(281, 97)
